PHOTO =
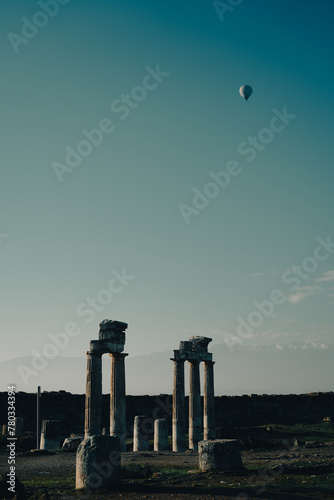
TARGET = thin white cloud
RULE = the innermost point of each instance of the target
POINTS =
(327, 276)
(256, 275)
(302, 293)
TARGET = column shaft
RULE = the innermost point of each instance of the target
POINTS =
(179, 422)
(93, 405)
(195, 410)
(117, 398)
(209, 402)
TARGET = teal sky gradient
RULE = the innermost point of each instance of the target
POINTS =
(120, 207)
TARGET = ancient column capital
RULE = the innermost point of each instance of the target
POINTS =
(118, 354)
(92, 354)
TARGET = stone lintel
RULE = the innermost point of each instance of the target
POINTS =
(105, 346)
(191, 355)
(195, 344)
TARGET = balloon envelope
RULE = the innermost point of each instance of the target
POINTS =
(245, 91)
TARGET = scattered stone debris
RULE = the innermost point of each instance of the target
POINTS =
(72, 443)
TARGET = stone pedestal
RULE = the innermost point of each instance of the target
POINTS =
(221, 454)
(18, 426)
(195, 406)
(179, 421)
(50, 435)
(209, 402)
(161, 435)
(140, 436)
(98, 462)
(93, 407)
(117, 398)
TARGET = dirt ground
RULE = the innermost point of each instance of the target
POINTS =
(299, 473)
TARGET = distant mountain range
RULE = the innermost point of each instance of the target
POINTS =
(295, 368)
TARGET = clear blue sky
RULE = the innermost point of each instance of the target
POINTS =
(120, 207)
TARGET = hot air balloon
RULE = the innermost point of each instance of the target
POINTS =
(246, 91)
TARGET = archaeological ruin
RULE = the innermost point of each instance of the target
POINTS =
(111, 341)
(194, 350)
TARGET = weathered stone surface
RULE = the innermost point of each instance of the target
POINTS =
(98, 462)
(113, 331)
(19, 421)
(209, 402)
(72, 443)
(93, 402)
(161, 435)
(195, 344)
(107, 346)
(200, 344)
(192, 355)
(179, 417)
(185, 345)
(220, 454)
(195, 406)
(50, 435)
(111, 324)
(117, 398)
(140, 435)
(200, 340)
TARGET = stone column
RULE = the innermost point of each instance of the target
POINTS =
(93, 408)
(195, 411)
(140, 435)
(50, 435)
(117, 398)
(161, 435)
(209, 402)
(179, 422)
